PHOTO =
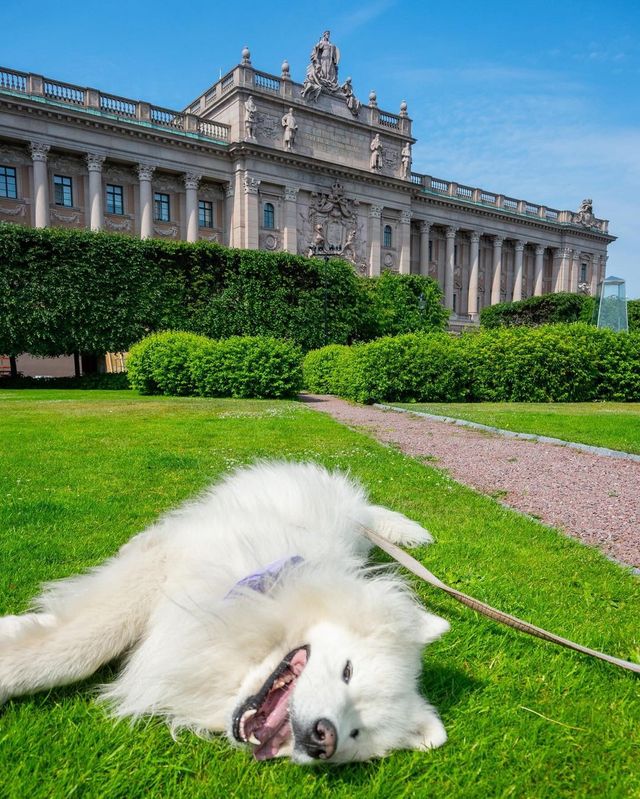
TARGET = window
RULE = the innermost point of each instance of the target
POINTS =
(62, 190)
(455, 302)
(115, 204)
(161, 207)
(455, 255)
(8, 185)
(387, 236)
(205, 213)
(583, 273)
(269, 216)
(430, 251)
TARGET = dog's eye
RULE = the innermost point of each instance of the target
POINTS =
(348, 671)
(354, 733)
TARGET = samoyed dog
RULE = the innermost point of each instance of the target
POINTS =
(249, 611)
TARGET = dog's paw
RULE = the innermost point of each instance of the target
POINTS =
(428, 731)
(397, 529)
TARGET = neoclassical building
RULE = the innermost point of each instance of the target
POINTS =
(261, 161)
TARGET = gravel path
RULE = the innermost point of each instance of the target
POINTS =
(591, 497)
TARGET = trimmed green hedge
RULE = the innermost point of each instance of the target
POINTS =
(185, 364)
(553, 363)
(544, 310)
(66, 291)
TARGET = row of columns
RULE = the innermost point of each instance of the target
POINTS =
(95, 162)
(565, 275)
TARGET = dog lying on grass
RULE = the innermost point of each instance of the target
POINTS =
(248, 611)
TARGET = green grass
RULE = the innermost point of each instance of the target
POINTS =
(82, 472)
(615, 425)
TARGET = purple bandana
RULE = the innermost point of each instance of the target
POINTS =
(264, 580)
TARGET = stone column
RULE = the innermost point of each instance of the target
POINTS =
(575, 272)
(375, 214)
(191, 183)
(425, 228)
(228, 215)
(39, 153)
(517, 271)
(449, 261)
(538, 274)
(595, 271)
(290, 219)
(405, 242)
(497, 269)
(238, 209)
(145, 173)
(474, 268)
(94, 165)
(251, 216)
(562, 265)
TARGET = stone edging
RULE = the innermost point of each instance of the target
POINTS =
(609, 453)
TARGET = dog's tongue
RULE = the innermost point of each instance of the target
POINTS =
(276, 729)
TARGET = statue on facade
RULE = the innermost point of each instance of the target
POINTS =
(250, 111)
(322, 72)
(375, 163)
(585, 215)
(318, 245)
(290, 127)
(406, 161)
(353, 104)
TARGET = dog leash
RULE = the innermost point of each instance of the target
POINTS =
(414, 566)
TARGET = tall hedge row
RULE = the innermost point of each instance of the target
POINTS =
(553, 363)
(64, 291)
(550, 309)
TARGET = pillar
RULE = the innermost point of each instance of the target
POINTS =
(538, 273)
(290, 219)
(145, 173)
(237, 231)
(595, 271)
(39, 154)
(425, 228)
(497, 270)
(575, 272)
(191, 183)
(474, 268)
(517, 270)
(228, 214)
(251, 216)
(561, 268)
(405, 242)
(449, 261)
(375, 214)
(96, 215)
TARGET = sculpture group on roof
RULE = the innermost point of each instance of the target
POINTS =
(322, 75)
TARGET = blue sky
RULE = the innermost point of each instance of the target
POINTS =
(535, 100)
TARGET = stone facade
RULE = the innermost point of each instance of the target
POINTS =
(260, 161)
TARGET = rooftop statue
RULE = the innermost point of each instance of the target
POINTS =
(585, 216)
(322, 75)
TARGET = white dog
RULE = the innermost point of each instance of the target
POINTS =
(249, 611)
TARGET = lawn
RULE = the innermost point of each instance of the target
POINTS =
(82, 471)
(615, 425)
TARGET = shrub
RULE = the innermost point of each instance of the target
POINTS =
(406, 304)
(543, 310)
(249, 366)
(318, 368)
(633, 315)
(415, 366)
(552, 363)
(161, 363)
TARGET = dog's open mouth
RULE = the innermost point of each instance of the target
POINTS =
(263, 719)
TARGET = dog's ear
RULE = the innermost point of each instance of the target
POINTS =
(430, 627)
(426, 731)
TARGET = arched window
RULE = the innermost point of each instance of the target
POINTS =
(269, 216)
(387, 236)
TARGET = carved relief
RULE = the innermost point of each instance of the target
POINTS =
(331, 224)
(267, 125)
(18, 210)
(117, 225)
(14, 155)
(167, 184)
(145, 171)
(270, 241)
(39, 151)
(210, 236)
(118, 174)
(66, 165)
(210, 191)
(251, 185)
(69, 218)
(94, 162)
(166, 232)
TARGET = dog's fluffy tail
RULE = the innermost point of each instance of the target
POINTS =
(396, 528)
(83, 622)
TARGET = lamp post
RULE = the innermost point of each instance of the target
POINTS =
(324, 251)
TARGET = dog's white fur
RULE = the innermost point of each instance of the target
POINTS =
(196, 651)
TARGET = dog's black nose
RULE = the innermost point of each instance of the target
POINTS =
(321, 740)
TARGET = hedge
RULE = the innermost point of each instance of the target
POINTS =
(179, 363)
(543, 310)
(553, 363)
(66, 291)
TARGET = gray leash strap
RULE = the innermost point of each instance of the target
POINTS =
(414, 566)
